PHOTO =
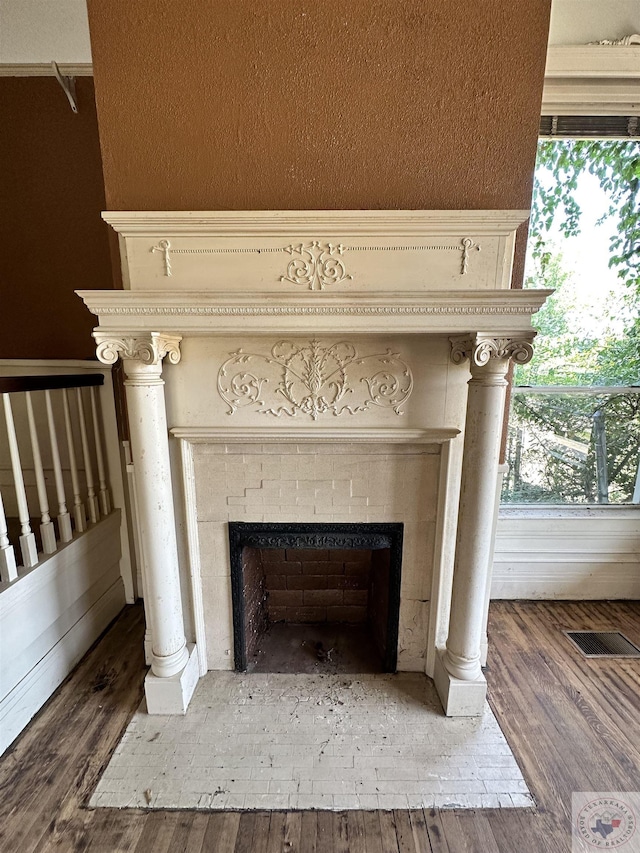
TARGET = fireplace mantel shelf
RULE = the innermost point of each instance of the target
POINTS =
(199, 312)
(348, 435)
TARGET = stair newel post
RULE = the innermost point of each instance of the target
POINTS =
(92, 500)
(47, 530)
(64, 518)
(27, 538)
(8, 570)
(103, 490)
(79, 514)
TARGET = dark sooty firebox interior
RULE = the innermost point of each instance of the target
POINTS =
(315, 597)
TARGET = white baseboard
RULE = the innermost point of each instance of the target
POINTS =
(26, 699)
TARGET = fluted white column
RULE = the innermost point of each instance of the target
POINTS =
(142, 357)
(489, 358)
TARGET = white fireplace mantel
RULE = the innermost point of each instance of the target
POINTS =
(230, 298)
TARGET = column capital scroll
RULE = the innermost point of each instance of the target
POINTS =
(480, 348)
(147, 347)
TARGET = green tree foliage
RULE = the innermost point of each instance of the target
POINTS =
(616, 165)
(556, 449)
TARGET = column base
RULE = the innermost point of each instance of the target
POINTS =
(172, 695)
(459, 698)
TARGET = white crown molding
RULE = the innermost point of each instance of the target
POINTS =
(593, 60)
(44, 69)
(592, 79)
(308, 223)
(316, 435)
(436, 312)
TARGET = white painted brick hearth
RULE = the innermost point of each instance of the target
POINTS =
(317, 483)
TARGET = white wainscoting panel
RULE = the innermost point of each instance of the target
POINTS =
(50, 617)
(570, 553)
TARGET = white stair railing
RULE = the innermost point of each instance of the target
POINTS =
(38, 464)
(64, 519)
(92, 500)
(8, 570)
(27, 539)
(79, 513)
(105, 501)
(47, 531)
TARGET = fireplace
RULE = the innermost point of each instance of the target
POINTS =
(341, 577)
(315, 368)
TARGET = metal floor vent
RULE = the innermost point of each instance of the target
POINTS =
(597, 644)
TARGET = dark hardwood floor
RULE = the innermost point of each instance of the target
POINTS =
(574, 725)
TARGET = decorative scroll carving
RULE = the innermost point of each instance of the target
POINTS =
(626, 41)
(312, 379)
(316, 265)
(467, 245)
(164, 246)
(149, 349)
(479, 349)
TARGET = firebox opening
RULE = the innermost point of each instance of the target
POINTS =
(326, 600)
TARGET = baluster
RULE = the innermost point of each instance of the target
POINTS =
(8, 571)
(92, 500)
(64, 519)
(27, 539)
(105, 502)
(79, 514)
(47, 530)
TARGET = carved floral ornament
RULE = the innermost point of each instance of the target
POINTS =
(313, 379)
(316, 264)
(480, 349)
(149, 348)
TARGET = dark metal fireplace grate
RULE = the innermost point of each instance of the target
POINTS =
(610, 644)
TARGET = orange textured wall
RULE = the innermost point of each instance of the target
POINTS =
(296, 104)
(54, 241)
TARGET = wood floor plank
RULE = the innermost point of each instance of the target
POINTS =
(195, 840)
(158, 832)
(356, 832)
(340, 832)
(435, 831)
(388, 832)
(404, 831)
(419, 829)
(246, 828)
(292, 831)
(221, 833)
(474, 833)
(277, 826)
(109, 829)
(309, 832)
(325, 842)
(261, 832)
(372, 832)
(189, 834)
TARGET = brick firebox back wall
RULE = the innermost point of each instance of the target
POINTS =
(309, 585)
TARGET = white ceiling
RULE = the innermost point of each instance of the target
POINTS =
(39, 31)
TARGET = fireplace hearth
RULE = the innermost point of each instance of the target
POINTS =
(310, 591)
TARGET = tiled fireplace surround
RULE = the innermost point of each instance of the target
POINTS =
(318, 372)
